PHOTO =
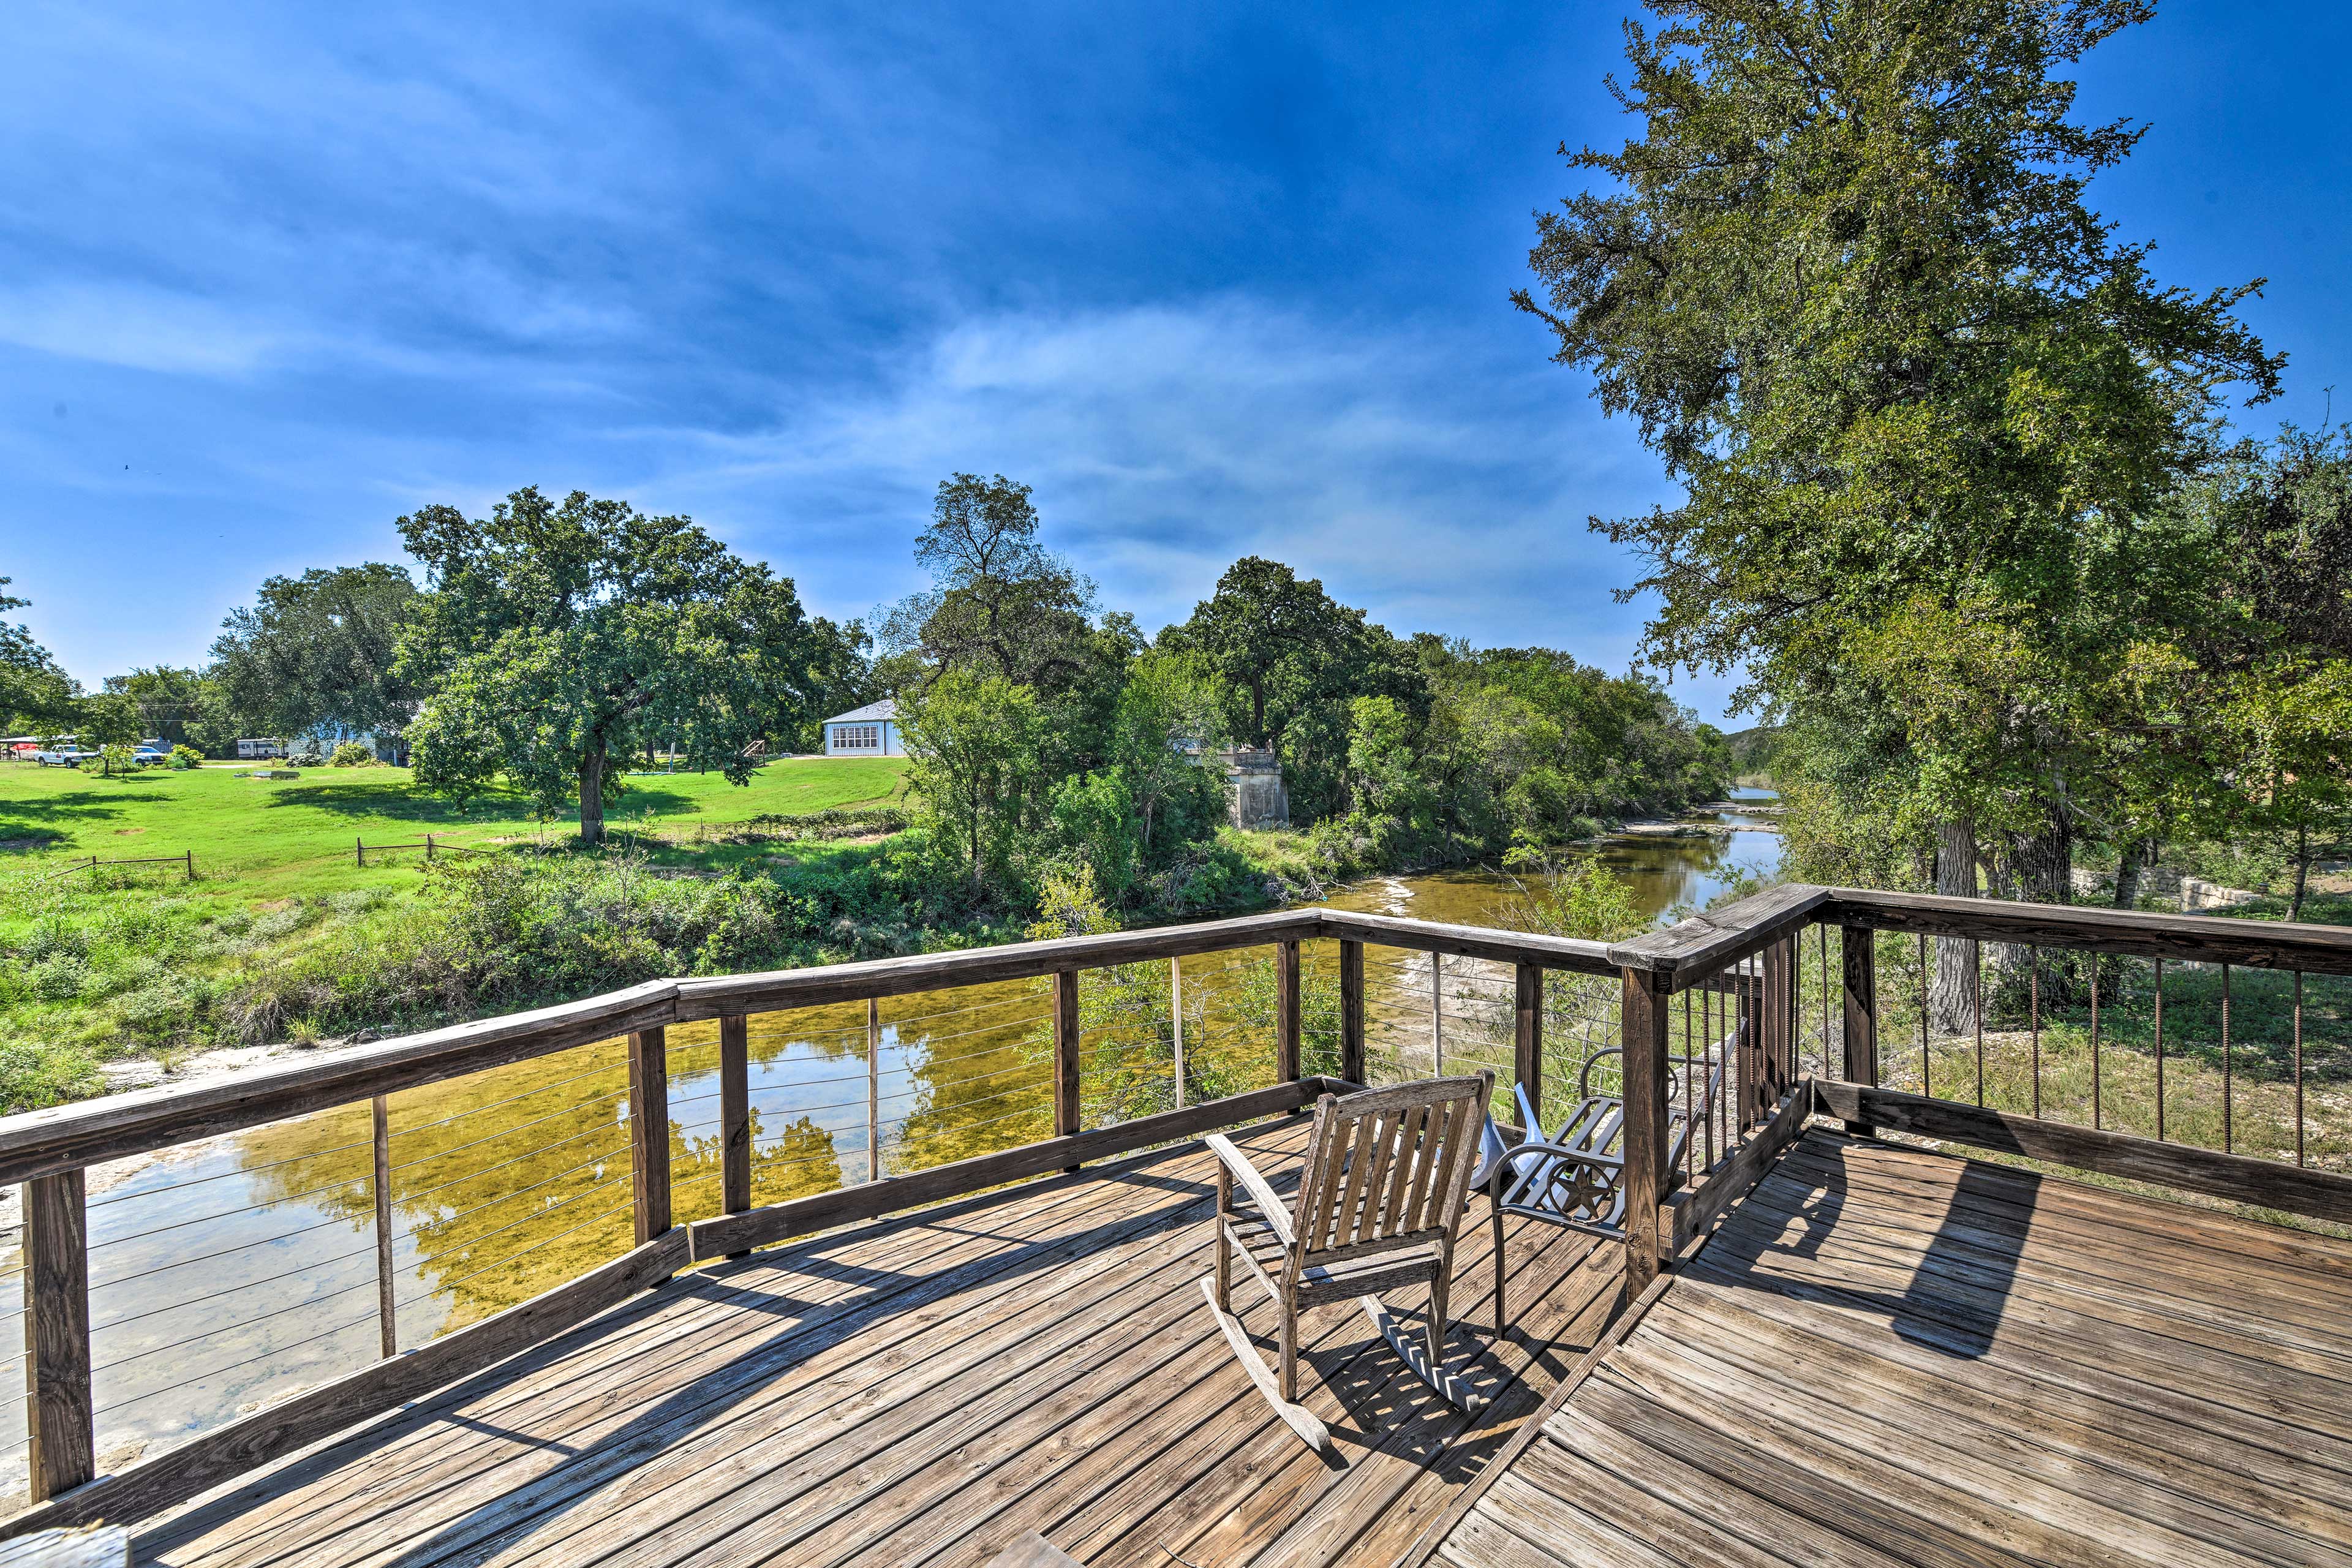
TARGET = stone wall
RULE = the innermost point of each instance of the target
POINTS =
(1259, 799)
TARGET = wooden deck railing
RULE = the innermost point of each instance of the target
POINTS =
(2058, 963)
(49, 1150)
(1750, 988)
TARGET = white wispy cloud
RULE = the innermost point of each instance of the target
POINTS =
(1407, 469)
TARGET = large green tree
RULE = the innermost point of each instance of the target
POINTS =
(1846, 281)
(560, 635)
(1293, 660)
(182, 707)
(34, 691)
(320, 649)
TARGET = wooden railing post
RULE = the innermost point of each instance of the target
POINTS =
(1773, 1014)
(1646, 1018)
(1526, 1050)
(1066, 1052)
(1859, 958)
(63, 1429)
(649, 1130)
(735, 1112)
(1351, 1012)
(1285, 1011)
(387, 1302)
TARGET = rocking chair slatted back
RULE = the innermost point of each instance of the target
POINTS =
(1388, 1168)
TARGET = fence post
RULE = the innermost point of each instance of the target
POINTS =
(428, 847)
(1645, 1140)
(1065, 1054)
(1351, 1012)
(386, 1302)
(358, 849)
(1859, 958)
(649, 1130)
(1285, 1011)
(1176, 1021)
(192, 864)
(734, 1112)
(1528, 1038)
(62, 1427)
(873, 1089)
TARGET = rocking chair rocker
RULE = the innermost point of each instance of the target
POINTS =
(1379, 1205)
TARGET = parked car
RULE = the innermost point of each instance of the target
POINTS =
(62, 757)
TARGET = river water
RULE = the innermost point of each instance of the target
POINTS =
(231, 1274)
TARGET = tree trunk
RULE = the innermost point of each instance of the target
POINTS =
(2138, 854)
(592, 795)
(2043, 864)
(2301, 870)
(1952, 994)
(2040, 869)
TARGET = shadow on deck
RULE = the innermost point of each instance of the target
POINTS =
(1888, 1356)
(928, 1391)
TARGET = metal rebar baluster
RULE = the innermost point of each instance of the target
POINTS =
(1927, 1074)
(873, 1089)
(2034, 971)
(2298, 1066)
(2098, 1107)
(2159, 1050)
(2229, 1129)
(1976, 973)
(1825, 998)
(388, 1330)
(1689, 1105)
(1436, 1015)
(1176, 1021)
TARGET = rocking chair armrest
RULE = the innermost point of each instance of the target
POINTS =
(1260, 1190)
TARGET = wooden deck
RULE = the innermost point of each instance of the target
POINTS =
(1893, 1356)
(926, 1392)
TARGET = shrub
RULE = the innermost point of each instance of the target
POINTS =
(352, 754)
(186, 757)
(34, 1076)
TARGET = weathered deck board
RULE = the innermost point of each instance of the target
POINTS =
(928, 1391)
(1889, 1355)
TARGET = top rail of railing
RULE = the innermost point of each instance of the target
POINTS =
(67, 1137)
(1678, 957)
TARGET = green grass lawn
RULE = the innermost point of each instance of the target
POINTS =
(275, 838)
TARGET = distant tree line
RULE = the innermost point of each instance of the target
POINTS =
(553, 641)
(1048, 734)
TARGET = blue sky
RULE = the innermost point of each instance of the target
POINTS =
(1215, 279)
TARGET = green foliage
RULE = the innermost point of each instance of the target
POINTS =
(179, 707)
(1922, 403)
(186, 757)
(35, 690)
(321, 649)
(1518, 748)
(352, 754)
(973, 743)
(1292, 661)
(560, 635)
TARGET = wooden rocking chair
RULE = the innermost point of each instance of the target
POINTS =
(1379, 1205)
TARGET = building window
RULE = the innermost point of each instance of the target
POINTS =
(858, 737)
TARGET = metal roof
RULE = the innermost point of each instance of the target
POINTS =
(886, 709)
